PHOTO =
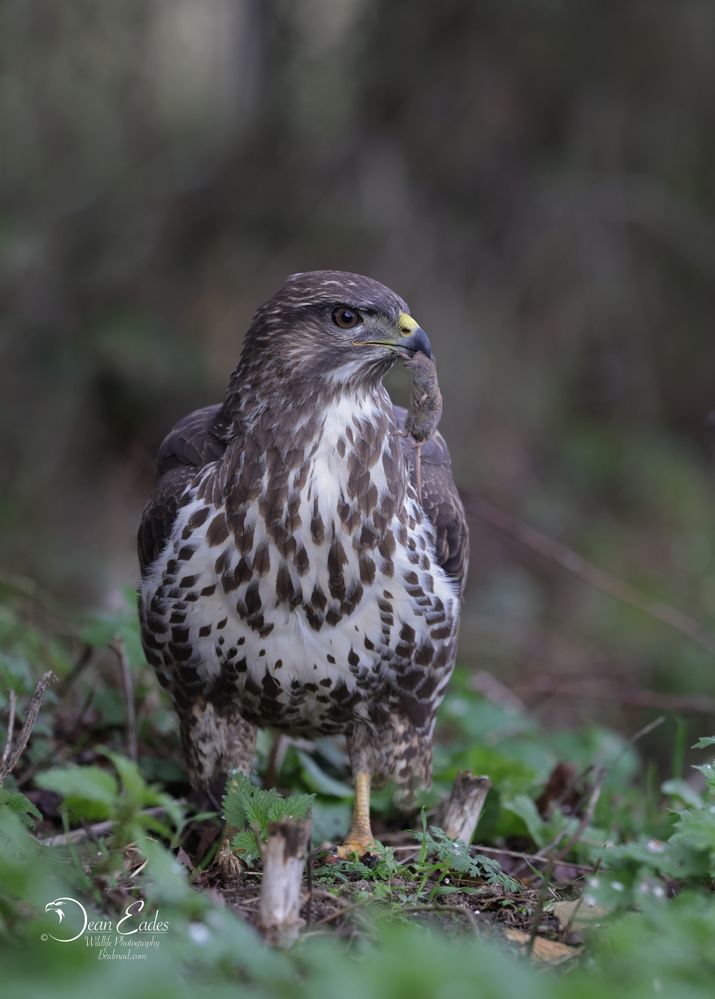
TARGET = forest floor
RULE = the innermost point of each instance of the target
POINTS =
(587, 871)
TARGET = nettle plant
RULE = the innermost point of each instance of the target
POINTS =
(252, 809)
(686, 859)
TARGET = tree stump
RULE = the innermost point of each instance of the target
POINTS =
(283, 862)
(460, 813)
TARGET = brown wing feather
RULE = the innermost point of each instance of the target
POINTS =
(440, 502)
(189, 446)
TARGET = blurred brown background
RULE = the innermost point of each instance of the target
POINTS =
(535, 179)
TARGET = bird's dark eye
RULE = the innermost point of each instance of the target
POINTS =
(346, 318)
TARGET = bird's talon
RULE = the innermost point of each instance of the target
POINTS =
(362, 847)
(227, 863)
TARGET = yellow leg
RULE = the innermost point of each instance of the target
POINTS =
(360, 838)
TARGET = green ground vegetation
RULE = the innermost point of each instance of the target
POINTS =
(603, 881)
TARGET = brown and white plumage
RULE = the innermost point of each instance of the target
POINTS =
(290, 577)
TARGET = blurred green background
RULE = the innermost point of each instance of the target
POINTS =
(535, 179)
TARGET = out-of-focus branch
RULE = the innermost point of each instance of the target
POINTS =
(11, 704)
(119, 649)
(589, 689)
(574, 563)
(94, 831)
(13, 751)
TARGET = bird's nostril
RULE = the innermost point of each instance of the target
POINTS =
(417, 342)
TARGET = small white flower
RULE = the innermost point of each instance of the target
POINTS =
(198, 933)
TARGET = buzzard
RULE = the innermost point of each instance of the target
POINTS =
(291, 576)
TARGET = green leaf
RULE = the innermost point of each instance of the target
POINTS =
(246, 846)
(675, 859)
(296, 806)
(317, 779)
(18, 803)
(708, 772)
(696, 830)
(244, 803)
(704, 742)
(88, 792)
(134, 786)
(258, 807)
(330, 821)
(510, 775)
(232, 804)
(453, 855)
(677, 788)
(522, 806)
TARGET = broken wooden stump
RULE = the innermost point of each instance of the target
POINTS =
(460, 814)
(284, 858)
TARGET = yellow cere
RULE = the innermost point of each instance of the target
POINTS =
(407, 324)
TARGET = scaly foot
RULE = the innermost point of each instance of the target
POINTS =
(355, 844)
(227, 863)
(360, 839)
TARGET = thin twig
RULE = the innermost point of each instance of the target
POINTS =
(645, 730)
(497, 851)
(309, 897)
(540, 903)
(629, 697)
(531, 857)
(494, 690)
(587, 816)
(572, 918)
(94, 830)
(23, 738)
(55, 746)
(322, 893)
(12, 702)
(595, 793)
(309, 882)
(545, 851)
(457, 909)
(572, 562)
(347, 908)
(120, 650)
(84, 659)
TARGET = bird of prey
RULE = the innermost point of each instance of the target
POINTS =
(291, 577)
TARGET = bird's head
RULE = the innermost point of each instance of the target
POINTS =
(57, 907)
(335, 328)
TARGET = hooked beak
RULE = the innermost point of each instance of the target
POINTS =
(409, 337)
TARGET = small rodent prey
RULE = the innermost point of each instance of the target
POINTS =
(425, 409)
